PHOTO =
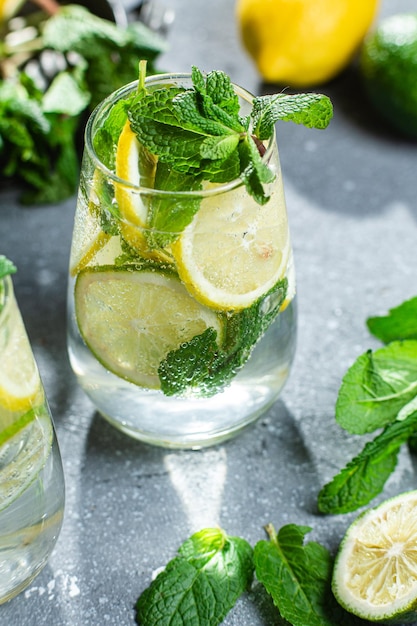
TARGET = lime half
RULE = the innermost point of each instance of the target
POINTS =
(375, 574)
(131, 319)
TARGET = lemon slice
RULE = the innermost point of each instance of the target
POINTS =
(130, 160)
(88, 237)
(20, 385)
(234, 251)
(375, 574)
(130, 319)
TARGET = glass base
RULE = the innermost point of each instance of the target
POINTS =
(193, 423)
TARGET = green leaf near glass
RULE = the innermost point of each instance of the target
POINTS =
(182, 314)
(32, 489)
(378, 393)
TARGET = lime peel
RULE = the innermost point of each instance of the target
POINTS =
(375, 573)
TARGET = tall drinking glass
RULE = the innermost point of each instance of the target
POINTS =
(182, 336)
(31, 476)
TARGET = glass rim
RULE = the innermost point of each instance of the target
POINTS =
(117, 95)
(5, 297)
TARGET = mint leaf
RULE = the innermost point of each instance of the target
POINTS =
(364, 477)
(6, 266)
(296, 576)
(65, 95)
(201, 584)
(169, 214)
(310, 109)
(377, 386)
(400, 323)
(201, 367)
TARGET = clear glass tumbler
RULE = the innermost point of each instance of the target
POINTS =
(31, 476)
(180, 337)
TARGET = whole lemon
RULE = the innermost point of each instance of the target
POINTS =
(388, 65)
(303, 42)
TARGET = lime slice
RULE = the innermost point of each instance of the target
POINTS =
(131, 319)
(20, 385)
(375, 574)
(234, 251)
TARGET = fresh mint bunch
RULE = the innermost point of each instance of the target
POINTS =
(378, 392)
(40, 121)
(200, 133)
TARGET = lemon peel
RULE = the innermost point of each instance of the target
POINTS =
(233, 252)
(303, 43)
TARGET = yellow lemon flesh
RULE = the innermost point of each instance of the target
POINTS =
(130, 159)
(375, 573)
(88, 237)
(303, 42)
(20, 385)
(234, 251)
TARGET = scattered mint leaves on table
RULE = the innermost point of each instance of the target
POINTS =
(378, 392)
(200, 585)
(212, 570)
(400, 323)
(200, 133)
(297, 576)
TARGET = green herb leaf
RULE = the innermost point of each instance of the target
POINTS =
(201, 584)
(377, 386)
(204, 365)
(297, 576)
(400, 323)
(65, 95)
(199, 131)
(364, 477)
(169, 214)
(310, 109)
(6, 266)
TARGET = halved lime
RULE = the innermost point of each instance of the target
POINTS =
(131, 318)
(375, 573)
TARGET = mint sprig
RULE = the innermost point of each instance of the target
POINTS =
(199, 131)
(201, 584)
(379, 391)
(181, 373)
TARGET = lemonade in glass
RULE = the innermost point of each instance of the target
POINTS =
(31, 476)
(182, 315)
